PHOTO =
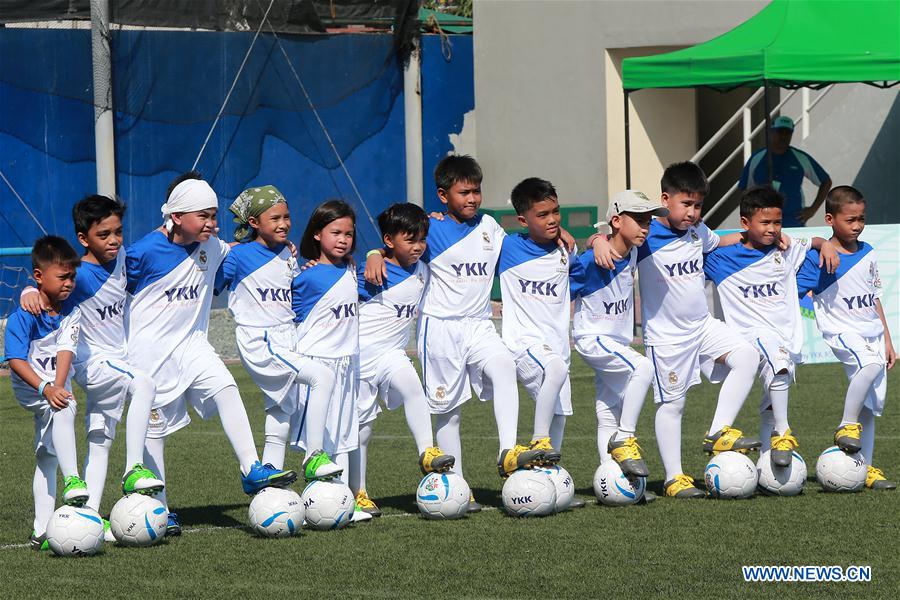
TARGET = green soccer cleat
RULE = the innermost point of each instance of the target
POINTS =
(141, 480)
(75, 492)
(107, 532)
(39, 543)
(360, 515)
(319, 465)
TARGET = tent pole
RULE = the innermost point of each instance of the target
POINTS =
(627, 146)
(104, 128)
(769, 166)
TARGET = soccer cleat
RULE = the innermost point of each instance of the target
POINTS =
(107, 532)
(360, 515)
(518, 457)
(319, 465)
(474, 506)
(729, 438)
(75, 492)
(875, 480)
(141, 480)
(262, 476)
(577, 503)
(39, 543)
(551, 455)
(783, 447)
(173, 526)
(648, 497)
(433, 460)
(682, 486)
(847, 437)
(364, 503)
(628, 454)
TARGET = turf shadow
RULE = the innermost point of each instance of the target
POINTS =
(214, 515)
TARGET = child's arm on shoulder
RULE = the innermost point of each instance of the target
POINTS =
(889, 353)
(828, 254)
(376, 269)
(30, 300)
(604, 254)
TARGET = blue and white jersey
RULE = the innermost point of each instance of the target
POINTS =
(259, 280)
(38, 339)
(758, 290)
(534, 281)
(604, 299)
(844, 300)
(386, 312)
(670, 269)
(325, 303)
(462, 258)
(170, 291)
(99, 296)
(788, 171)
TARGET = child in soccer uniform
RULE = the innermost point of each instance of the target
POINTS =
(386, 313)
(258, 273)
(603, 328)
(757, 286)
(851, 319)
(40, 350)
(171, 272)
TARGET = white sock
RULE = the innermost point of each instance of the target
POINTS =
(141, 394)
(447, 435)
(557, 429)
(415, 408)
(633, 400)
(278, 428)
(555, 373)
(859, 387)
(766, 427)
(236, 426)
(343, 460)
(608, 410)
(668, 435)
(95, 465)
(742, 363)
(778, 395)
(154, 451)
(320, 383)
(359, 459)
(63, 434)
(867, 437)
(501, 371)
(44, 489)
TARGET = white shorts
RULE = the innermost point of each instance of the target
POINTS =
(269, 357)
(613, 362)
(378, 384)
(106, 383)
(40, 408)
(453, 353)
(856, 352)
(530, 372)
(342, 421)
(677, 366)
(197, 362)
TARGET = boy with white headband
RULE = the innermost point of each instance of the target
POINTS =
(171, 272)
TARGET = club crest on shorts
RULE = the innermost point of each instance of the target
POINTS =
(440, 392)
(673, 377)
(783, 350)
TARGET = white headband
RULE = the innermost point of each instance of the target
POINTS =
(188, 196)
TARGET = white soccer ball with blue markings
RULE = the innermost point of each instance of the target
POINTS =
(138, 520)
(565, 487)
(731, 475)
(780, 481)
(443, 496)
(327, 505)
(614, 488)
(838, 471)
(75, 531)
(529, 493)
(276, 512)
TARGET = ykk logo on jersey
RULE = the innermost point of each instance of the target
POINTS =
(616, 308)
(274, 294)
(342, 311)
(539, 288)
(765, 290)
(864, 301)
(191, 292)
(405, 310)
(113, 310)
(51, 360)
(471, 269)
(688, 267)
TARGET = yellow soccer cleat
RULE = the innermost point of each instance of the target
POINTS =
(365, 504)
(847, 437)
(551, 455)
(682, 486)
(729, 438)
(875, 480)
(433, 460)
(628, 454)
(518, 457)
(783, 447)
(474, 506)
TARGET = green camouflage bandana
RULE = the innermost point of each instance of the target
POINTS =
(252, 203)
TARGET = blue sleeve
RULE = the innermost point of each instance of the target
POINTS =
(132, 270)
(225, 274)
(821, 173)
(712, 266)
(365, 289)
(17, 340)
(578, 273)
(809, 273)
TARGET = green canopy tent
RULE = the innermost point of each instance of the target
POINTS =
(790, 44)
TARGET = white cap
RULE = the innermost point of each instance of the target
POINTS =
(632, 201)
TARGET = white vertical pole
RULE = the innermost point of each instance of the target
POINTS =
(804, 114)
(104, 142)
(748, 134)
(412, 112)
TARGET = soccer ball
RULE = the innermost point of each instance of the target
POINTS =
(276, 512)
(443, 496)
(838, 471)
(75, 531)
(731, 475)
(138, 520)
(327, 505)
(613, 488)
(529, 493)
(565, 487)
(781, 481)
